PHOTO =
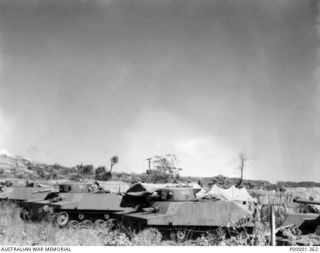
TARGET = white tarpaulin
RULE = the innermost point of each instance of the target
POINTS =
(200, 193)
(232, 194)
(153, 187)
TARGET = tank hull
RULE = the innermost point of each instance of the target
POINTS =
(181, 218)
(20, 194)
(77, 207)
(306, 222)
(197, 213)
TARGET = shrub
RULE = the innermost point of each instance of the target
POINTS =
(100, 170)
(101, 174)
(115, 238)
(156, 176)
(85, 169)
(147, 237)
(40, 172)
(76, 177)
(105, 176)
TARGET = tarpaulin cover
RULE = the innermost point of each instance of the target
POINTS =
(145, 187)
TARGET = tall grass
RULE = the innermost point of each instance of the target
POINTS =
(14, 231)
(282, 203)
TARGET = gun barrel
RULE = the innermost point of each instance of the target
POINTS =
(306, 202)
(43, 191)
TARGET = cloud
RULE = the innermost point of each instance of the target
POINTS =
(5, 133)
(4, 151)
(160, 132)
(201, 79)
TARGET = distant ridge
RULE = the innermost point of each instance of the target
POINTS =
(12, 164)
(21, 167)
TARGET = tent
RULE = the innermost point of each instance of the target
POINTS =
(201, 193)
(231, 194)
(114, 186)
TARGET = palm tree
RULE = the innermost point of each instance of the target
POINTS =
(114, 160)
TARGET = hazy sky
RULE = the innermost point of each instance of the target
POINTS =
(81, 81)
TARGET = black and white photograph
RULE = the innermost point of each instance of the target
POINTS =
(159, 123)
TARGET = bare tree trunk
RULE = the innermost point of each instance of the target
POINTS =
(241, 168)
(243, 159)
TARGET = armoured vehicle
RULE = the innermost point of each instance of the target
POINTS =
(299, 228)
(306, 222)
(19, 190)
(74, 205)
(178, 214)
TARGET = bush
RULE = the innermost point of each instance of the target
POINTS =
(147, 237)
(85, 169)
(101, 174)
(40, 172)
(51, 175)
(115, 238)
(76, 177)
(105, 176)
(156, 176)
(100, 170)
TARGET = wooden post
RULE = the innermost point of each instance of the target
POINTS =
(272, 226)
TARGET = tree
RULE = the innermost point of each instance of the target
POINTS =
(166, 164)
(40, 171)
(102, 174)
(85, 169)
(164, 169)
(114, 160)
(52, 175)
(100, 169)
(88, 169)
(56, 166)
(243, 160)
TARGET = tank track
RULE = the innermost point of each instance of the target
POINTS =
(183, 233)
(75, 220)
(85, 220)
(173, 233)
(82, 220)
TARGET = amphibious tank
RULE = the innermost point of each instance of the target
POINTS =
(19, 190)
(74, 205)
(301, 228)
(178, 214)
(307, 222)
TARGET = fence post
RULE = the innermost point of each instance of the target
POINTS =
(272, 226)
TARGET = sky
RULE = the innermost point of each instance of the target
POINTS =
(81, 81)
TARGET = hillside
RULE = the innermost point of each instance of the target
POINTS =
(20, 167)
(15, 166)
